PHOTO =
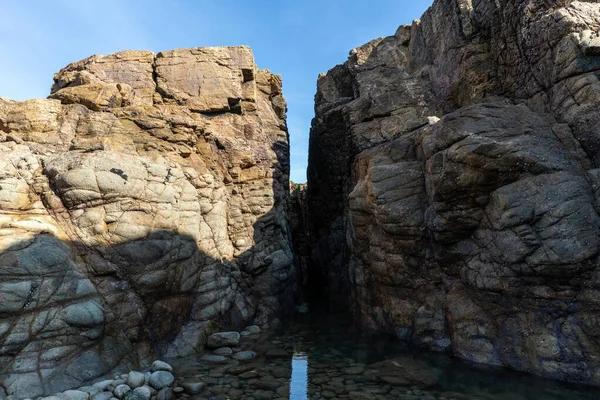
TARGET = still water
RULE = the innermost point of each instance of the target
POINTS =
(312, 356)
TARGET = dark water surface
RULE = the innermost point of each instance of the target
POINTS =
(319, 356)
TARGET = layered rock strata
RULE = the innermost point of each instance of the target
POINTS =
(453, 183)
(142, 205)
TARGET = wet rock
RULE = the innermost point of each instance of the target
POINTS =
(223, 351)
(355, 370)
(244, 355)
(166, 394)
(213, 358)
(159, 365)
(161, 379)
(277, 353)
(223, 339)
(192, 387)
(253, 329)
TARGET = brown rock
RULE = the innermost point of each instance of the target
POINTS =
(131, 211)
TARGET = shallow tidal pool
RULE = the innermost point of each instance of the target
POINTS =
(319, 356)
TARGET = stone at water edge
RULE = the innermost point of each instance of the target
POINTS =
(192, 387)
(165, 394)
(223, 339)
(253, 329)
(244, 355)
(213, 358)
(223, 351)
(161, 379)
(159, 365)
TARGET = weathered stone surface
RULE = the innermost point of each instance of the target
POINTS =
(223, 339)
(453, 184)
(161, 379)
(144, 202)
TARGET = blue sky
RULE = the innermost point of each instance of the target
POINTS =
(297, 39)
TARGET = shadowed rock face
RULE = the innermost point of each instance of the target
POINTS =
(142, 206)
(453, 178)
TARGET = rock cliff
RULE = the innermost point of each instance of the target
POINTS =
(453, 183)
(142, 205)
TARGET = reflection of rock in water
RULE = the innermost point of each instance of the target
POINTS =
(319, 358)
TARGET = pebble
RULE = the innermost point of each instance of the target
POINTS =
(102, 396)
(159, 365)
(121, 390)
(74, 395)
(213, 358)
(165, 394)
(223, 339)
(161, 379)
(253, 329)
(244, 355)
(223, 351)
(140, 393)
(135, 379)
(192, 387)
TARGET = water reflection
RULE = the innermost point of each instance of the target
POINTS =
(299, 382)
(345, 364)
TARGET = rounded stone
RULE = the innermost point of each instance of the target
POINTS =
(161, 379)
(223, 339)
(159, 365)
(213, 358)
(140, 393)
(102, 396)
(135, 379)
(165, 394)
(121, 390)
(74, 395)
(244, 355)
(253, 329)
(89, 389)
(223, 351)
(192, 387)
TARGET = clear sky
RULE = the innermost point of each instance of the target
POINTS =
(297, 39)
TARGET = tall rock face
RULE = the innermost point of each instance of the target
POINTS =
(143, 205)
(453, 183)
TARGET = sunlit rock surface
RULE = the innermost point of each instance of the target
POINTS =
(142, 206)
(453, 184)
